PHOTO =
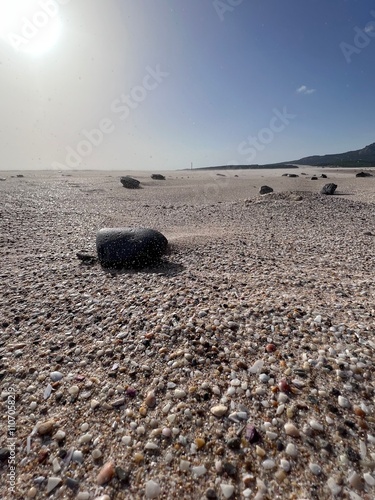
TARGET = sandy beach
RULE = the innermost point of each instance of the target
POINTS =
(240, 367)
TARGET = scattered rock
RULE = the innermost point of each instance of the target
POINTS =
(323, 176)
(158, 177)
(106, 473)
(129, 247)
(86, 257)
(4, 454)
(227, 490)
(153, 489)
(314, 178)
(3, 178)
(363, 174)
(219, 410)
(291, 430)
(329, 189)
(265, 190)
(130, 183)
(56, 376)
(45, 428)
(53, 482)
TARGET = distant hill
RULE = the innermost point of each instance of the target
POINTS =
(360, 158)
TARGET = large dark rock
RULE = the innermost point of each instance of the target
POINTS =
(158, 177)
(328, 188)
(265, 190)
(323, 176)
(363, 174)
(129, 182)
(129, 247)
(314, 178)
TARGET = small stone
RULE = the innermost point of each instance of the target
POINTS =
(86, 438)
(179, 393)
(106, 473)
(369, 479)
(333, 486)
(45, 428)
(199, 471)
(150, 446)
(211, 494)
(153, 489)
(291, 430)
(184, 465)
(291, 450)
(269, 464)
(77, 456)
(150, 400)
(280, 475)
(56, 467)
(315, 469)
(96, 454)
(314, 424)
(251, 434)
(270, 347)
(126, 440)
(219, 410)
(73, 390)
(83, 495)
(4, 454)
(199, 442)
(343, 402)
(122, 475)
(72, 484)
(227, 490)
(94, 404)
(138, 458)
(53, 482)
(56, 376)
(59, 436)
(234, 443)
(285, 465)
(355, 480)
(32, 493)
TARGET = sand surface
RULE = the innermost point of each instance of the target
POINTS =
(240, 367)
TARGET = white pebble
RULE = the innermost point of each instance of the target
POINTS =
(268, 464)
(184, 465)
(291, 430)
(343, 402)
(285, 465)
(179, 393)
(317, 426)
(227, 490)
(153, 489)
(369, 479)
(200, 470)
(291, 450)
(126, 440)
(315, 469)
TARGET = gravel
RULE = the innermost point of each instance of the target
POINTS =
(241, 366)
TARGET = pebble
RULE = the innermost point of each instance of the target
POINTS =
(53, 483)
(59, 435)
(199, 470)
(291, 430)
(83, 495)
(269, 464)
(56, 376)
(152, 490)
(77, 456)
(184, 465)
(179, 393)
(315, 469)
(150, 400)
(355, 480)
(227, 490)
(219, 410)
(73, 390)
(291, 450)
(285, 465)
(106, 473)
(96, 454)
(314, 424)
(369, 479)
(45, 427)
(343, 402)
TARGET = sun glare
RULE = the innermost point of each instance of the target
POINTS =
(29, 26)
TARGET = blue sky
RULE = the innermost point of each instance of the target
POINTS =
(165, 83)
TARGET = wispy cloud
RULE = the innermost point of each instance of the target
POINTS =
(370, 28)
(305, 90)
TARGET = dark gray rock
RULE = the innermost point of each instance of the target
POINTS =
(4, 454)
(293, 175)
(323, 176)
(363, 174)
(265, 190)
(158, 177)
(314, 178)
(129, 247)
(328, 188)
(129, 182)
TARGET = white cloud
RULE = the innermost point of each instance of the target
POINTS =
(304, 90)
(370, 28)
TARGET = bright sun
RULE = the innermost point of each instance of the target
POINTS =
(30, 26)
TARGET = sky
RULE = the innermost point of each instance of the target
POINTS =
(160, 84)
